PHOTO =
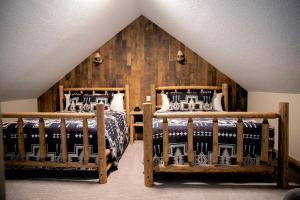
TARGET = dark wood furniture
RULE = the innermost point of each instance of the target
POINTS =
(136, 120)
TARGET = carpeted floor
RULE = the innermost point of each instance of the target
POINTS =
(128, 183)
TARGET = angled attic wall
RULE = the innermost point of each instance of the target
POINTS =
(142, 54)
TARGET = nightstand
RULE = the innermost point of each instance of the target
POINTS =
(136, 120)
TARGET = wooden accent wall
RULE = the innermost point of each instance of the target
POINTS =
(143, 54)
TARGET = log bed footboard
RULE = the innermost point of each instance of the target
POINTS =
(265, 166)
(103, 166)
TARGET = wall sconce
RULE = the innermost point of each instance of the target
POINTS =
(98, 58)
(180, 57)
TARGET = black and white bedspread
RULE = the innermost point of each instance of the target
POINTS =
(116, 132)
(202, 141)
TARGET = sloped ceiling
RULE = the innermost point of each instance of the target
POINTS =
(256, 43)
(41, 41)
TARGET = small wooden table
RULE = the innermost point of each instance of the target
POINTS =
(136, 120)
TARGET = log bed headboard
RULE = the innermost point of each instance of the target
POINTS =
(104, 90)
(156, 99)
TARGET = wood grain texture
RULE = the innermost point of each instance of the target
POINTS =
(165, 142)
(139, 55)
(102, 163)
(2, 173)
(215, 141)
(21, 145)
(239, 148)
(283, 145)
(42, 139)
(190, 143)
(265, 141)
(148, 145)
(215, 168)
(63, 138)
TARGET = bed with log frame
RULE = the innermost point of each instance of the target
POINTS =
(102, 165)
(266, 163)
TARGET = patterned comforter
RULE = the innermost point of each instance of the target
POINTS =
(202, 141)
(116, 132)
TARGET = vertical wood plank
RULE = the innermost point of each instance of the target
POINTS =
(61, 98)
(21, 145)
(148, 145)
(225, 95)
(86, 155)
(265, 141)
(101, 144)
(63, 140)
(190, 142)
(215, 141)
(240, 152)
(165, 142)
(283, 145)
(127, 105)
(131, 129)
(42, 139)
(2, 174)
(153, 97)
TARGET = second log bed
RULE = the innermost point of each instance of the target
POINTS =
(161, 127)
(87, 126)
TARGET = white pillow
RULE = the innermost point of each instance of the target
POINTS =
(165, 103)
(217, 102)
(117, 102)
(68, 103)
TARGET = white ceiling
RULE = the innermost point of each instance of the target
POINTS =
(256, 43)
(41, 41)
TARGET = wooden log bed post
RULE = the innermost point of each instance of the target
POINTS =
(283, 145)
(127, 106)
(148, 145)
(165, 142)
(42, 140)
(61, 98)
(101, 144)
(239, 148)
(2, 174)
(21, 145)
(225, 94)
(153, 97)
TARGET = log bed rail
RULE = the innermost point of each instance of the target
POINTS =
(283, 130)
(102, 165)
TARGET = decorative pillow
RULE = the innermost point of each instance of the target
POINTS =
(67, 100)
(217, 102)
(75, 103)
(165, 103)
(90, 101)
(85, 102)
(193, 101)
(185, 101)
(117, 103)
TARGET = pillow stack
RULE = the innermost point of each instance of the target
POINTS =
(191, 101)
(87, 102)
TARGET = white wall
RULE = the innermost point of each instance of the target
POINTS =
(25, 105)
(264, 102)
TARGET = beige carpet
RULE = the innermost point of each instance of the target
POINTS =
(128, 183)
